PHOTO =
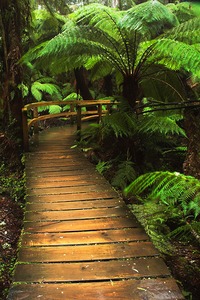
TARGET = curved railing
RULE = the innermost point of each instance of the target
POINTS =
(31, 117)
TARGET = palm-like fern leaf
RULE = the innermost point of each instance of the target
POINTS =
(149, 18)
(163, 124)
(177, 55)
(170, 188)
(37, 88)
(121, 123)
(187, 32)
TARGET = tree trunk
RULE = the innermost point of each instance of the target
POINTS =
(130, 91)
(11, 41)
(108, 85)
(191, 165)
(82, 84)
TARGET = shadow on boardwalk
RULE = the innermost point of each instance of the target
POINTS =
(79, 240)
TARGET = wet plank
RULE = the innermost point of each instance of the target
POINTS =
(73, 196)
(69, 190)
(87, 271)
(79, 214)
(87, 252)
(80, 225)
(69, 177)
(47, 206)
(85, 237)
(66, 183)
(141, 289)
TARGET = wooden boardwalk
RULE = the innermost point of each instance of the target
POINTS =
(79, 240)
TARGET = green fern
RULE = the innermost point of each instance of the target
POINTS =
(103, 166)
(38, 88)
(124, 175)
(172, 189)
(121, 123)
(149, 18)
(55, 109)
(157, 123)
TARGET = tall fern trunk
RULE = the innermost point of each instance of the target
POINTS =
(191, 165)
(82, 84)
(130, 90)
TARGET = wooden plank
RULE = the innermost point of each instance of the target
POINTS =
(85, 237)
(66, 183)
(87, 271)
(73, 205)
(55, 173)
(86, 252)
(85, 167)
(64, 178)
(79, 214)
(41, 163)
(81, 225)
(140, 289)
(68, 190)
(72, 197)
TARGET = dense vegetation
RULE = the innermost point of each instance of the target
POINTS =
(145, 55)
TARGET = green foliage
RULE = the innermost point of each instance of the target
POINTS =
(38, 88)
(184, 11)
(55, 109)
(153, 219)
(166, 124)
(124, 175)
(150, 18)
(121, 123)
(103, 166)
(172, 189)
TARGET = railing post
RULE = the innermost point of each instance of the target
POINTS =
(71, 110)
(78, 117)
(25, 129)
(35, 116)
(99, 112)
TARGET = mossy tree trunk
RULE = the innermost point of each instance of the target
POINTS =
(191, 165)
(12, 72)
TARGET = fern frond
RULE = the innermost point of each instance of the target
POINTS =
(55, 109)
(121, 123)
(177, 55)
(37, 88)
(163, 124)
(173, 189)
(187, 32)
(149, 18)
(124, 174)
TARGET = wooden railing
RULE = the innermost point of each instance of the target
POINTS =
(31, 117)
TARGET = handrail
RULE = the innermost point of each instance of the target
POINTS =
(78, 113)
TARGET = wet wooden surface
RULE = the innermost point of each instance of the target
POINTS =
(79, 238)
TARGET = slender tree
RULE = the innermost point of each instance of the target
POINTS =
(14, 16)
